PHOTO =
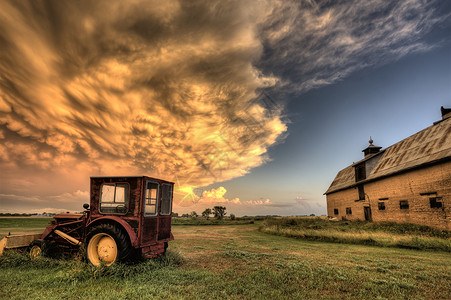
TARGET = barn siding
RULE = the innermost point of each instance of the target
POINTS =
(406, 186)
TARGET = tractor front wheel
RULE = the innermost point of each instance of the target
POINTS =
(106, 244)
(36, 249)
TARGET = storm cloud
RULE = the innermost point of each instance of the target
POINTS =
(310, 44)
(172, 89)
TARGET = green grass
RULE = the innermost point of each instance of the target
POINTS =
(384, 234)
(23, 223)
(16, 225)
(199, 221)
(34, 224)
(237, 262)
(321, 223)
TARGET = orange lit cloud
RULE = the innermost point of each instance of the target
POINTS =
(216, 196)
(95, 92)
(258, 202)
(170, 89)
(38, 204)
(213, 196)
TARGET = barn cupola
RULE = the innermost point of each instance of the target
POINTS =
(371, 149)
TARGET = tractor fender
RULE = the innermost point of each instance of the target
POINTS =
(49, 229)
(131, 233)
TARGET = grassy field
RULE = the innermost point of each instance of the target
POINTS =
(201, 221)
(238, 262)
(15, 225)
(383, 234)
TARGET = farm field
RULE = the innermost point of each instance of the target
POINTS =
(236, 262)
(21, 225)
(382, 234)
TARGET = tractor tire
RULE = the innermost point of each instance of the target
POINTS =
(37, 249)
(107, 244)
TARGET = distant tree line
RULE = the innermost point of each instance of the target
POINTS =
(25, 214)
(218, 212)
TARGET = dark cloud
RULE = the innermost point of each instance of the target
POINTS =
(313, 43)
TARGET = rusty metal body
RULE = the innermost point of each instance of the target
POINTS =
(17, 241)
(141, 207)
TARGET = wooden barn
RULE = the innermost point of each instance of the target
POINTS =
(408, 182)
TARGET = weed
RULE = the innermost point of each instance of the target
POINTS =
(21, 259)
(244, 254)
(365, 268)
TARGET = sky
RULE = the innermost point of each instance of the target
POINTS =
(251, 105)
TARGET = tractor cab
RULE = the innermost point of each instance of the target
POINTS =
(144, 203)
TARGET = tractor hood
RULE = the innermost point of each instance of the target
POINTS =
(68, 216)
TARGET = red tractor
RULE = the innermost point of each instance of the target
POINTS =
(128, 216)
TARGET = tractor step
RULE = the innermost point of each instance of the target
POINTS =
(17, 241)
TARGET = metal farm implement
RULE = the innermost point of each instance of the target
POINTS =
(127, 217)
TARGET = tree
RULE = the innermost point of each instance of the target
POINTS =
(193, 214)
(232, 217)
(175, 215)
(185, 216)
(206, 213)
(219, 212)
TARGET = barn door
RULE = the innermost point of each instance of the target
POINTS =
(367, 211)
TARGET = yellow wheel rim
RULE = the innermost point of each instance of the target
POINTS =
(35, 252)
(102, 248)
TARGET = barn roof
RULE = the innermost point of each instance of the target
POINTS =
(426, 147)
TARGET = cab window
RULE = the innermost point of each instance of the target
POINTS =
(151, 199)
(114, 198)
(166, 199)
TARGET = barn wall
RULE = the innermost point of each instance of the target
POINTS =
(343, 199)
(416, 187)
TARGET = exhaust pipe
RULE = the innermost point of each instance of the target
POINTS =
(68, 238)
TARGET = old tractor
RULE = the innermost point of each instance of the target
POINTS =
(127, 217)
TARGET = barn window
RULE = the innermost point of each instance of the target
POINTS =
(404, 204)
(360, 172)
(361, 192)
(335, 211)
(348, 211)
(436, 202)
(381, 205)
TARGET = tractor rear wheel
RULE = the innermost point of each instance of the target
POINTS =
(107, 244)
